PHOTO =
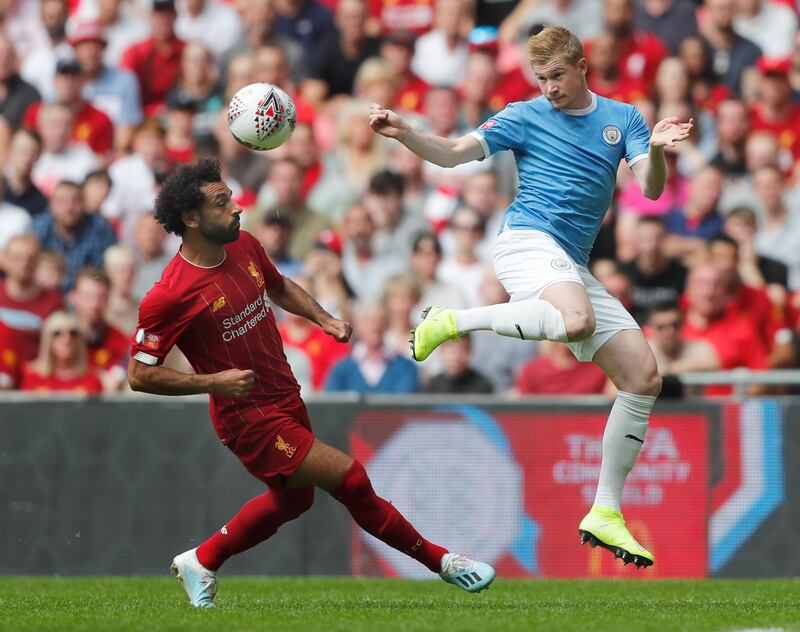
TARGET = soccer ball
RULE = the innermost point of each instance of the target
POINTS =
(261, 116)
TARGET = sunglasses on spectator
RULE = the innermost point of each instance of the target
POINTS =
(72, 333)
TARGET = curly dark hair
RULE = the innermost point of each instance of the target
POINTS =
(181, 192)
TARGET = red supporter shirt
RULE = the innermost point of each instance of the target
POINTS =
(786, 129)
(403, 15)
(91, 126)
(157, 70)
(88, 384)
(110, 350)
(754, 304)
(10, 362)
(322, 351)
(25, 319)
(221, 318)
(541, 377)
(411, 95)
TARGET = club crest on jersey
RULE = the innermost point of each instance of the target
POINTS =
(284, 447)
(218, 304)
(488, 124)
(254, 272)
(612, 134)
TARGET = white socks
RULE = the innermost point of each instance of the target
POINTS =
(622, 441)
(531, 319)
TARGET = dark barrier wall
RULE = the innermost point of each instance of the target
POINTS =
(121, 486)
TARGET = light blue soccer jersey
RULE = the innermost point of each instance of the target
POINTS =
(567, 162)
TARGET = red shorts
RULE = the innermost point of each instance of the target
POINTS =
(273, 449)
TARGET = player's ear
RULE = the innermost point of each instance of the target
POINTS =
(583, 65)
(191, 218)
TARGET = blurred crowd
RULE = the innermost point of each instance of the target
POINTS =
(100, 99)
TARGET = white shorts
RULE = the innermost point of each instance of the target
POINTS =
(527, 262)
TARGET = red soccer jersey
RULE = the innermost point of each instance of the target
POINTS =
(87, 384)
(322, 351)
(110, 350)
(10, 362)
(786, 129)
(157, 70)
(541, 377)
(221, 318)
(91, 126)
(25, 319)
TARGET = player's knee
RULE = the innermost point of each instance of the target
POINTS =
(579, 325)
(648, 382)
(356, 483)
(302, 501)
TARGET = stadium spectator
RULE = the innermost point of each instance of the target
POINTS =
(655, 277)
(391, 16)
(275, 234)
(283, 192)
(457, 376)
(302, 148)
(731, 53)
(133, 180)
(51, 270)
(156, 61)
(364, 269)
(121, 22)
(706, 88)
(61, 365)
(556, 371)
(395, 229)
(426, 257)
(779, 233)
(60, 159)
(372, 366)
(672, 21)
(606, 76)
(89, 125)
(39, 65)
(10, 359)
(107, 349)
(149, 244)
(582, 17)
(337, 57)
(109, 89)
(321, 350)
(198, 83)
(397, 48)
(307, 22)
(213, 24)
(733, 126)
(770, 25)
(68, 229)
(401, 294)
(24, 305)
(376, 81)
(119, 264)
(323, 267)
(774, 109)
(756, 270)
(240, 73)
(440, 55)
(463, 268)
(18, 187)
(416, 192)
(13, 221)
(248, 168)
(16, 94)
(760, 150)
(95, 190)
(478, 99)
(698, 221)
(482, 193)
(179, 141)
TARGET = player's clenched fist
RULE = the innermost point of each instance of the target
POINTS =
(339, 329)
(233, 382)
(385, 122)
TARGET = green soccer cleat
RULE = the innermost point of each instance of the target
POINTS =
(438, 324)
(606, 527)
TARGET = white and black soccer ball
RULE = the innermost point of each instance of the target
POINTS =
(261, 116)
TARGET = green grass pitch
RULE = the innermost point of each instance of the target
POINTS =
(101, 604)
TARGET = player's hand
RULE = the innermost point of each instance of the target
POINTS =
(669, 131)
(386, 122)
(233, 382)
(339, 329)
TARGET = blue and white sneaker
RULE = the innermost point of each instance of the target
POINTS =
(463, 572)
(198, 582)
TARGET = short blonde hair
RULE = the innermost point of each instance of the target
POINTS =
(44, 363)
(554, 42)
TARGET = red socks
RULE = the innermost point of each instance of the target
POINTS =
(380, 518)
(259, 519)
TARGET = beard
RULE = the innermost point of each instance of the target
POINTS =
(220, 234)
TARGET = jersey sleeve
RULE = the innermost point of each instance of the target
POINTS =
(162, 319)
(637, 138)
(505, 130)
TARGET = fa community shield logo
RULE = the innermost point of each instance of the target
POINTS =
(559, 263)
(612, 134)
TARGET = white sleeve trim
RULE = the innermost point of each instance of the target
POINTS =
(636, 159)
(145, 358)
(484, 144)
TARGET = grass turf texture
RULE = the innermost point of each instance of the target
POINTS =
(98, 603)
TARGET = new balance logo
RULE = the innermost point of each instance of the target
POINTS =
(224, 530)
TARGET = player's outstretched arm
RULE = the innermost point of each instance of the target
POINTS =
(160, 380)
(651, 174)
(296, 300)
(445, 152)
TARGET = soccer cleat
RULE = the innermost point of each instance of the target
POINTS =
(438, 324)
(468, 575)
(605, 527)
(198, 582)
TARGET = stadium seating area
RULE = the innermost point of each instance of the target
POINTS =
(100, 99)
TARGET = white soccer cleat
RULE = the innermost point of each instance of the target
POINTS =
(198, 582)
(465, 573)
